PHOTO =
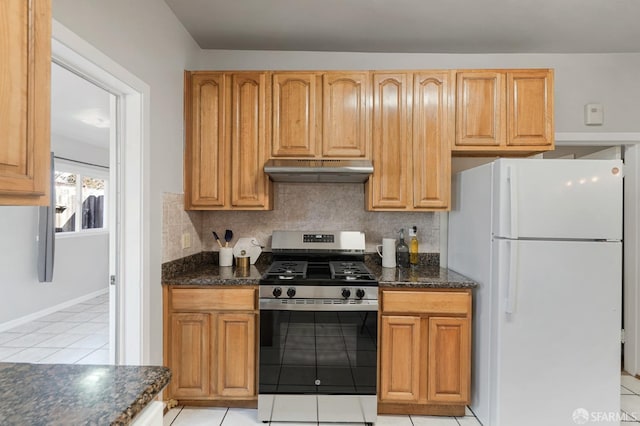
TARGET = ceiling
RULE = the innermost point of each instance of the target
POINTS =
(445, 26)
(80, 110)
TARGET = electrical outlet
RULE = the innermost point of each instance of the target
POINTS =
(186, 240)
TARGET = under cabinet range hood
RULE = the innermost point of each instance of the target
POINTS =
(324, 170)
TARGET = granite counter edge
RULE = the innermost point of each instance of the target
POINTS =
(147, 395)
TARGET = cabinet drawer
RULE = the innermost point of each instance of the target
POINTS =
(213, 299)
(428, 302)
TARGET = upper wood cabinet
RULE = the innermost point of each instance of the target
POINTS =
(410, 142)
(504, 112)
(391, 182)
(25, 81)
(207, 148)
(228, 129)
(250, 141)
(345, 114)
(320, 114)
(297, 114)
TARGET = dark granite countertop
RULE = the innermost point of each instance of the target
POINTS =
(202, 270)
(67, 394)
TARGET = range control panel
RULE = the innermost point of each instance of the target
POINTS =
(318, 238)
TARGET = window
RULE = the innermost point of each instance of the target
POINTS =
(80, 198)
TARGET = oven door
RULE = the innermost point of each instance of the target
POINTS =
(318, 361)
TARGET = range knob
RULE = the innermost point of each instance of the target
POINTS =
(346, 293)
(359, 293)
(277, 292)
(291, 292)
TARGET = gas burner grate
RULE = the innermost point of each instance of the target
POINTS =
(288, 269)
(350, 271)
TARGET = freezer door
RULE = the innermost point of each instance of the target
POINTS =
(565, 199)
(558, 331)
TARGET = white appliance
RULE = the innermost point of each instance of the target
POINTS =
(543, 240)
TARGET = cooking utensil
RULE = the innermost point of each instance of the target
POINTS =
(215, 235)
(228, 236)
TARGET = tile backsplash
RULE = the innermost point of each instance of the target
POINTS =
(298, 206)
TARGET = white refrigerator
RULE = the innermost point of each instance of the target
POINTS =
(543, 240)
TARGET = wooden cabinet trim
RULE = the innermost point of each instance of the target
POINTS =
(345, 117)
(480, 108)
(530, 108)
(431, 141)
(207, 144)
(449, 360)
(297, 114)
(213, 299)
(400, 358)
(250, 126)
(389, 186)
(190, 337)
(236, 354)
(426, 302)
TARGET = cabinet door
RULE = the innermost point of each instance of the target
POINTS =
(449, 360)
(296, 108)
(400, 358)
(431, 133)
(530, 107)
(345, 99)
(249, 140)
(236, 357)
(190, 355)
(25, 81)
(206, 148)
(390, 184)
(480, 108)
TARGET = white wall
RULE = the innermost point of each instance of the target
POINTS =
(76, 271)
(145, 37)
(609, 79)
(68, 148)
(81, 262)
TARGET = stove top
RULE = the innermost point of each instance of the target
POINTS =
(303, 272)
(318, 266)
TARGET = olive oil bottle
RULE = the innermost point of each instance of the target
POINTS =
(413, 245)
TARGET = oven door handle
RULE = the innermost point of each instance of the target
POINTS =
(317, 305)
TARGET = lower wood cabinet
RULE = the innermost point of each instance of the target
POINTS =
(425, 352)
(210, 345)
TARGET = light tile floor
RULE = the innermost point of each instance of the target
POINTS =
(78, 334)
(192, 416)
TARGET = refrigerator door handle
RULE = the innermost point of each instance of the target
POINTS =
(512, 277)
(512, 177)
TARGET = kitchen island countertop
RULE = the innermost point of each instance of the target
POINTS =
(207, 273)
(69, 394)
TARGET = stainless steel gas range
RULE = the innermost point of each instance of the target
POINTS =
(318, 330)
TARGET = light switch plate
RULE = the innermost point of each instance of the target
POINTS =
(593, 114)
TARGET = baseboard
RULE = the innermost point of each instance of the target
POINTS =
(43, 313)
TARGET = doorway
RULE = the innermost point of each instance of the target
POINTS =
(82, 131)
(128, 267)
